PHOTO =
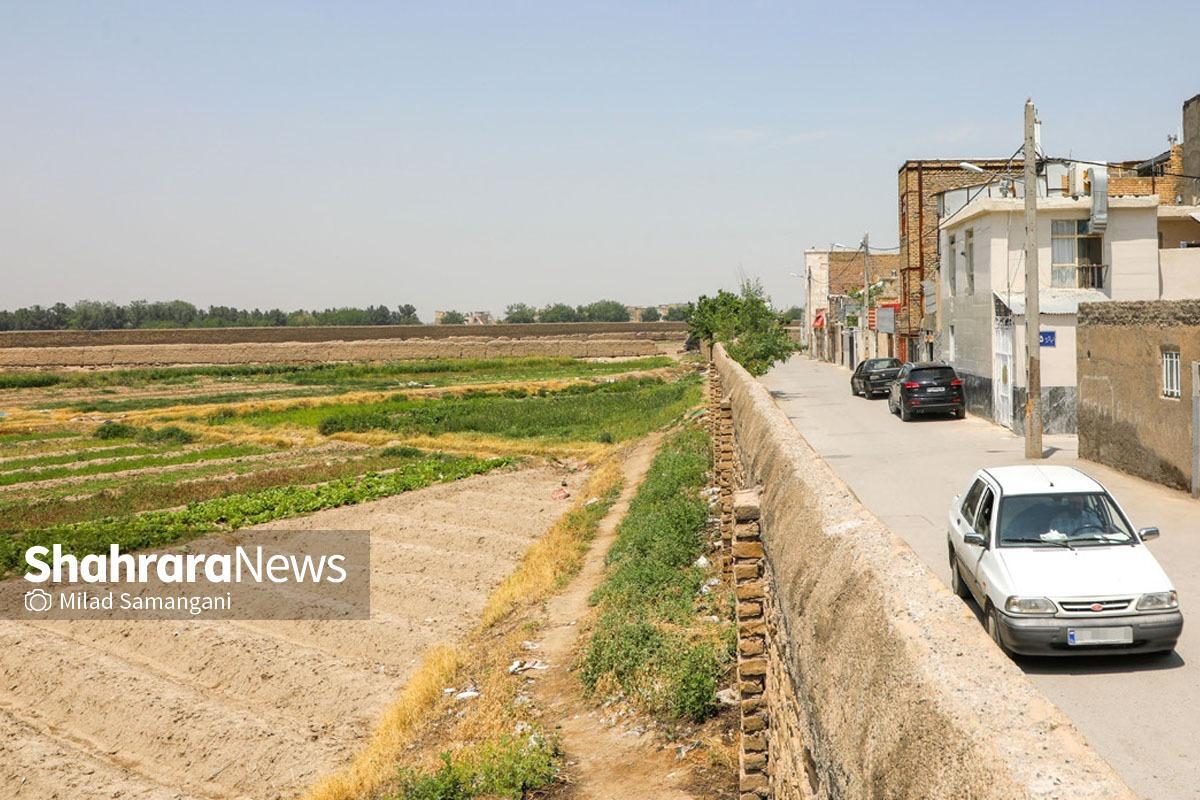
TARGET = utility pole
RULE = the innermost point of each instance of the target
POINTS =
(1033, 327)
(866, 295)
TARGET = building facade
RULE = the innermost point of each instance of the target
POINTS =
(920, 182)
(1136, 382)
(1090, 250)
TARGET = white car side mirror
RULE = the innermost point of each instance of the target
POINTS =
(1146, 534)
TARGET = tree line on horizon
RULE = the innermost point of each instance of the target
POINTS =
(106, 315)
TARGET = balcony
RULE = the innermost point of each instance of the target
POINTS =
(1082, 276)
(1091, 276)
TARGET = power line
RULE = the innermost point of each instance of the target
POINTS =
(1106, 164)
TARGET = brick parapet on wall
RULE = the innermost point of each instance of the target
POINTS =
(1151, 313)
(751, 594)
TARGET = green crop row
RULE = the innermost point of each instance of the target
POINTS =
(133, 462)
(647, 644)
(448, 370)
(607, 412)
(157, 528)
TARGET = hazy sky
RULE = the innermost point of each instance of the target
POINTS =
(470, 155)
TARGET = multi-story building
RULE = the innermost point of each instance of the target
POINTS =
(920, 183)
(1104, 233)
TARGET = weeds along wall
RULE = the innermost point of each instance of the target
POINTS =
(299, 352)
(879, 682)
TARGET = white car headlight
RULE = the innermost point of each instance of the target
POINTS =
(1158, 601)
(1029, 605)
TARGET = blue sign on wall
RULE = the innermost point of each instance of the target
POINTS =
(1049, 338)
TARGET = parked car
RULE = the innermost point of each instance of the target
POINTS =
(927, 388)
(1056, 566)
(874, 376)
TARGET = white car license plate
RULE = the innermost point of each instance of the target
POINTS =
(936, 389)
(1122, 635)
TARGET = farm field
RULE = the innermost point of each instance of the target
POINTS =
(455, 467)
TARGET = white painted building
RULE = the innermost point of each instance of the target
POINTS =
(1089, 250)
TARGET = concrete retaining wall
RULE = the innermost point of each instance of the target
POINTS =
(881, 683)
(341, 333)
(127, 355)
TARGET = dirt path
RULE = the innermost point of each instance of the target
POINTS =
(158, 709)
(606, 759)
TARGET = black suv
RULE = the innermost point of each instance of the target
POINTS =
(925, 388)
(874, 376)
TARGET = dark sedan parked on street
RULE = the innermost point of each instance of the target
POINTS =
(874, 376)
(927, 388)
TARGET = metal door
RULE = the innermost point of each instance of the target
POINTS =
(1002, 372)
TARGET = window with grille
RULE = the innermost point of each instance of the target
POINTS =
(1076, 256)
(1170, 373)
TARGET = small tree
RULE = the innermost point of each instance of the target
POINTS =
(744, 322)
(681, 313)
(605, 311)
(558, 312)
(650, 314)
(452, 318)
(793, 314)
(520, 312)
(407, 315)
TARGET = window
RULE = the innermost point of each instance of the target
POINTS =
(1075, 255)
(951, 342)
(971, 501)
(1062, 520)
(983, 519)
(952, 263)
(1170, 372)
(969, 253)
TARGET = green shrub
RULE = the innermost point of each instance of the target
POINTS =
(115, 430)
(508, 768)
(171, 434)
(28, 380)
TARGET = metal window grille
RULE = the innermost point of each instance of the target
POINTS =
(1170, 374)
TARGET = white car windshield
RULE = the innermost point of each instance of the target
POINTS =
(1084, 519)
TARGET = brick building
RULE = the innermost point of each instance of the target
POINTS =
(920, 182)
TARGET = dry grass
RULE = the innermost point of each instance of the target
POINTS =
(559, 554)
(375, 764)
(548, 564)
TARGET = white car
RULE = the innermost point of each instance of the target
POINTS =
(1056, 566)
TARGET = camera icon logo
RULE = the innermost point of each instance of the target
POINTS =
(38, 600)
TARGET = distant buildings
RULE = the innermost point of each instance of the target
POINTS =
(469, 317)
(955, 291)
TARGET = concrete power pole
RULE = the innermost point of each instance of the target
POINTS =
(866, 296)
(1033, 335)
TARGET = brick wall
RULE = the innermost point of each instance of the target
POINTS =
(919, 183)
(1191, 149)
(846, 269)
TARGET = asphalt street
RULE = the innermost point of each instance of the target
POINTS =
(1142, 713)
